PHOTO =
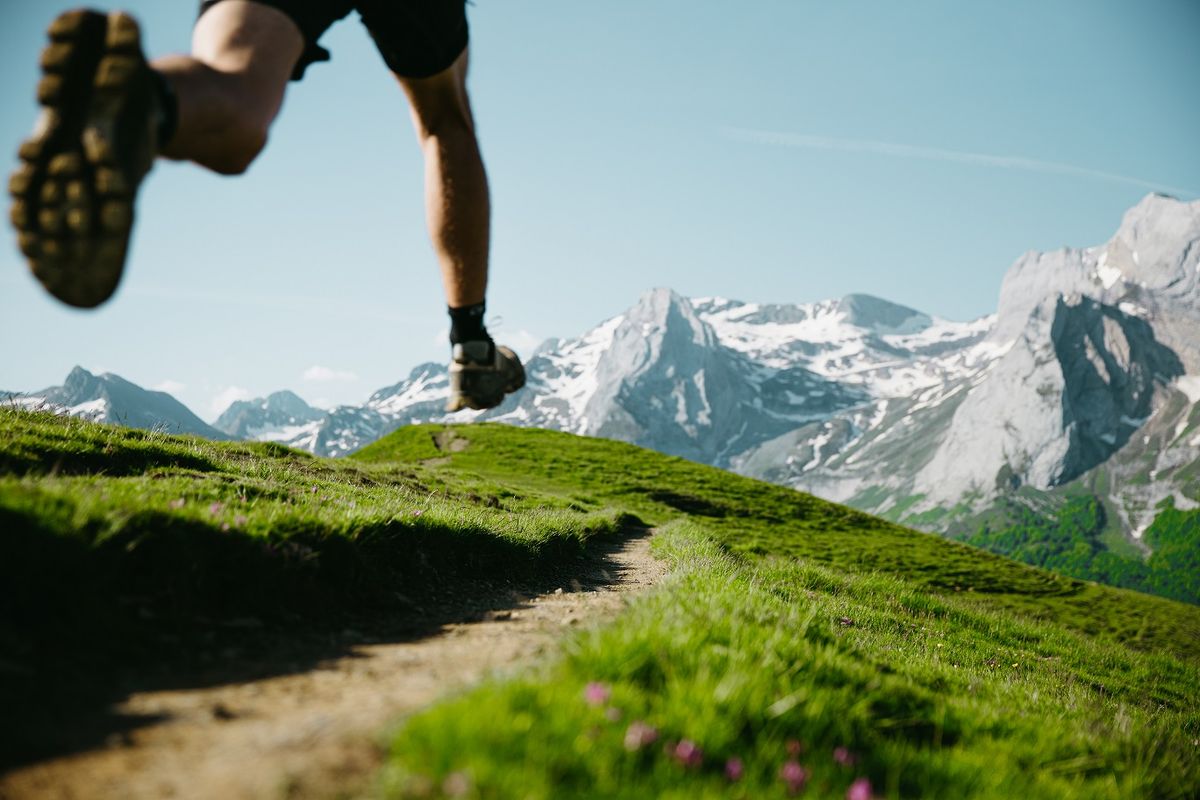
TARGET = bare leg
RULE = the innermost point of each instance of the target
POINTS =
(231, 87)
(456, 189)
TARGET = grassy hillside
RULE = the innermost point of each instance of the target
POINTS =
(756, 519)
(796, 646)
(803, 646)
(128, 558)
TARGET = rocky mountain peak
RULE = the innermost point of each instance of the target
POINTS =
(81, 385)
(882, 316)
(288, 402)
(661, 315)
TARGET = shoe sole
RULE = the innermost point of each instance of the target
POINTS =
(72, 205)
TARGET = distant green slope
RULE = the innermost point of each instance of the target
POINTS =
(753, 517)
(1074, 539)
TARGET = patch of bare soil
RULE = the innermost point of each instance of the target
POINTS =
(313, 729)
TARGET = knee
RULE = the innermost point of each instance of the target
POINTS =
(441, 109)
(239, 147)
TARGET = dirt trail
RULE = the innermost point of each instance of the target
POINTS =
(315, 733)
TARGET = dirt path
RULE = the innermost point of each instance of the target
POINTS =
(315, 733)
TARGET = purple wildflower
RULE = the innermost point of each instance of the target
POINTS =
(216, 508)
(596, 693)
(859, 790)
(639, 734)
(734, 769)
(794, 776)
(844, 757)
(224, 527)
(240, 520)
(688, 753)
(418, 512)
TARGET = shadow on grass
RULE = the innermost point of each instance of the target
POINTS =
(176, 604)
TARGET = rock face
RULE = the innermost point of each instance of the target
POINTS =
(111, 398)
(1091, 352)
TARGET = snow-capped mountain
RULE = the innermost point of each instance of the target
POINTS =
(711, 379)
(279, 417)
(111, 398)
(1091, 363)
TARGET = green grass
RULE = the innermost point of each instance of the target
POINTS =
(945, 671)
(771, 661)
(789, 627)
(124, 551)
(194, 523)
(752, 518)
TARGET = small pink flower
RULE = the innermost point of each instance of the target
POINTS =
(859, 790)
(240, 520)
(639, 734)
(596, 693)
(175, 504)
(224, 527)
(418, 512)
(734, 769)
(688, 753)
(216, 508)
(844, 757)
(456, 784)
(794, 776)
(794, 747)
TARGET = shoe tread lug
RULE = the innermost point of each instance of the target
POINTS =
(52, 221)
(123, 34)
(50, 90)
(66, 164)
(20, 183)
(71, 24)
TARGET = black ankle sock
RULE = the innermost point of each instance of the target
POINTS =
(168, 110)
(466, 324)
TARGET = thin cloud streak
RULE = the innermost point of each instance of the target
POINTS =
(809, 142)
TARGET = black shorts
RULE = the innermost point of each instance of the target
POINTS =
(417, 38)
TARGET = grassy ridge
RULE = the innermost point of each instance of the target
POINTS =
(758, 519)
(749, 678)
(251, 527)
(803, 646)
(122, 549)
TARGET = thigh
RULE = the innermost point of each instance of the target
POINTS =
(266, 34)
(417, 38)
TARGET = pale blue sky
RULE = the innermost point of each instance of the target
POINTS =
(767, 150)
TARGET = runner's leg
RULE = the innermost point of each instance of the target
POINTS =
(231, 87)
(457, 206)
